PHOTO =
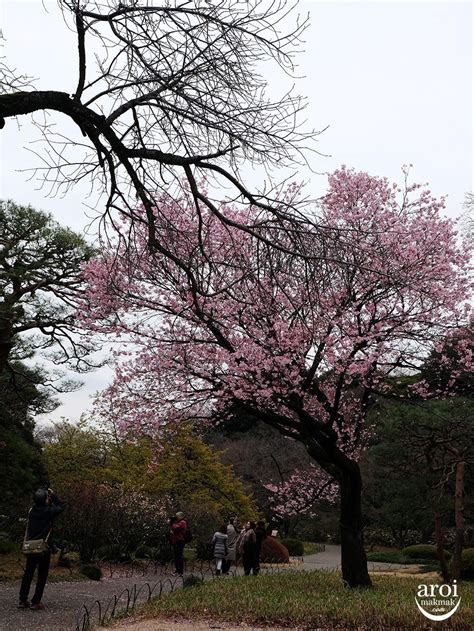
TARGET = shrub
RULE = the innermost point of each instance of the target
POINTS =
(162, 553)
(68, 559)
(386, 557)
(273, 551)
(145, 552)
(204, 551)
(467, 571)
(92, 571)
(7, 546)
(423, 551)
(192, 581)
(294, 546)
(113, 553)
(383, 537)
(378, 537)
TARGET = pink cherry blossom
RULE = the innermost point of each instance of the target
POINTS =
(300, 334)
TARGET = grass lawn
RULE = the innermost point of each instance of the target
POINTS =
(307, 600)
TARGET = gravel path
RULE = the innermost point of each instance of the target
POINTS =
(64, 600)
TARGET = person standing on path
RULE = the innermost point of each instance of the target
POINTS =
(232, 537)
(219, 546)
(260, 535)
(46, 507)
(247, 547)
(178, 528)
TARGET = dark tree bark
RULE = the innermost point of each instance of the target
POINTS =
(353, 557)
(456, 563)
(326, 452)
(440, 548)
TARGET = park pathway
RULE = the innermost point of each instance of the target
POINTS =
(330, 559)
(63, 602)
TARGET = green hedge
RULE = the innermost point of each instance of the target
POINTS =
(294, 546)
(423, 551)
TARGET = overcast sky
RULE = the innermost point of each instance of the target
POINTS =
(393, 80)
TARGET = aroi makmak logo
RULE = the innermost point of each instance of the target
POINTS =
(438, 602)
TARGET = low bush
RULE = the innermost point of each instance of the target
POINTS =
(423, 551)
(68, 560)
(113, 553)
(204, 551)
(273, 551)
(387, 557)
(295, 547)
(145, 552)
(467, 571)
(163, 553)
(8, 546)
(192, 581)
(92, 571)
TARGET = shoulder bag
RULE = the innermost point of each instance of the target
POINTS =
(34, 546)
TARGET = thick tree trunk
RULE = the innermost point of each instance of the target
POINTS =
(353, 558)
(459, 522)
(440, 548)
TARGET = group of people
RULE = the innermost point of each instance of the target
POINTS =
(230, 543)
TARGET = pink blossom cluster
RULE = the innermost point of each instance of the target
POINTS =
(300, 332)
(299, 494)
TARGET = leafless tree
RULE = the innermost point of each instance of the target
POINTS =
(167, 93)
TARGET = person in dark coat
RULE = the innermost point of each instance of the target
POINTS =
(247, 545)
(178, 528)
(46, 507)
(260, 535)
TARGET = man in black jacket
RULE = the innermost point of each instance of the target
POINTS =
(46, 507)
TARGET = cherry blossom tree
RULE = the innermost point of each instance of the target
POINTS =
(300, 342)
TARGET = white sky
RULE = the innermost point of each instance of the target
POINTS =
(393, 80)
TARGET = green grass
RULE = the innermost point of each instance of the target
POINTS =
(312, 548)
(307, 600)
(189, 553)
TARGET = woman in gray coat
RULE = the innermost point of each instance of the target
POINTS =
(232, 536)
(219, 544)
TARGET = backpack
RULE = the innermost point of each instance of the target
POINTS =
(188, 535)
